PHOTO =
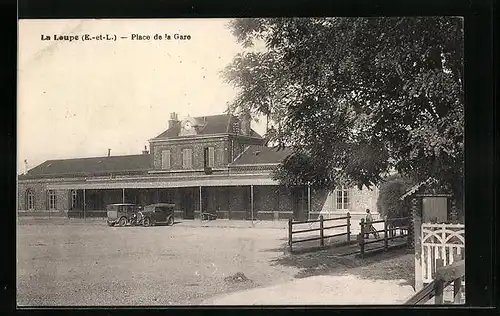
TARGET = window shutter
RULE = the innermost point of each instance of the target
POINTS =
(190, 158)
(211, 156)
(187, 158)
(205, 158)
(184, 159)
(165, 159)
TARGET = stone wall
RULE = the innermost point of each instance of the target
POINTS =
(324, 202)
(39, 189)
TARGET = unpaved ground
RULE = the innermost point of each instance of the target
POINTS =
(325, 279)
(322, 290)
(92, 264)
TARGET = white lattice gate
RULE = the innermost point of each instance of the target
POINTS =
(440, 241)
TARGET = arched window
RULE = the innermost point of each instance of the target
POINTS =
(74, 196)
(30, 200)
(51, 199)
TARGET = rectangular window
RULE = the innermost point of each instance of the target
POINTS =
(209, 157)
(51, 196)
(165, 159)
(187, 158)
(343, 202)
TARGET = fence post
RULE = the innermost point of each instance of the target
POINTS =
(290, 233)
(322, 240)
(439, 284)
(348, 226)
(362, 238)
(457, 284)
(386, 240)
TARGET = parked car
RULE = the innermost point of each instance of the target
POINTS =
(157, 213)
(122, 214)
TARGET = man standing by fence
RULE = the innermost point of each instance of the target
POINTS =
(369, 225)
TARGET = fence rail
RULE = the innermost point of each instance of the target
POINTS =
(321, 229)
(389, 233)
(445, 275)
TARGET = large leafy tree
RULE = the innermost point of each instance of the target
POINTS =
(356, 97)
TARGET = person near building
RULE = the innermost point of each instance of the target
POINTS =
(369, 225)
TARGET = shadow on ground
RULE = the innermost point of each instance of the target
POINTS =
(392, 265)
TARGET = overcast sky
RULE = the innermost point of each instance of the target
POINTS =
(77, 99)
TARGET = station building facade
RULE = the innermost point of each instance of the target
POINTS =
(215, 164)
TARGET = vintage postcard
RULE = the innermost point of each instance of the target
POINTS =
(259, 161)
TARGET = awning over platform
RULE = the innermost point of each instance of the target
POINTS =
(145, 184)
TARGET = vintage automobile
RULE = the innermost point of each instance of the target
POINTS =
(159, 213)
(122, 214)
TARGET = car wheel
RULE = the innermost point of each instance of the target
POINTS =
(146, 222)
(122, 222)
(170, 221)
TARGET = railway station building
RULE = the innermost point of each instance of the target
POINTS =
(213, 164)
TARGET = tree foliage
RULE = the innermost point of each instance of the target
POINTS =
(388, 202)
(356, 97)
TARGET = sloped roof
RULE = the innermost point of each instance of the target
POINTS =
(213, 124)
(261, 155)
(414, 189)
(91, 166)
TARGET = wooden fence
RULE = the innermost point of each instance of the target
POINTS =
(391, 229)
(444, 276)
(321, 229)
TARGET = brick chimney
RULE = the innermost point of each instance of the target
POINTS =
(174, 120)
(245, 122)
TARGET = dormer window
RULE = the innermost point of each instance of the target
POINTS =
(189, 127)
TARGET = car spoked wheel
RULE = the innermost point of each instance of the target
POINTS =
(170, 221)
(146, 222)
(122, 222)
